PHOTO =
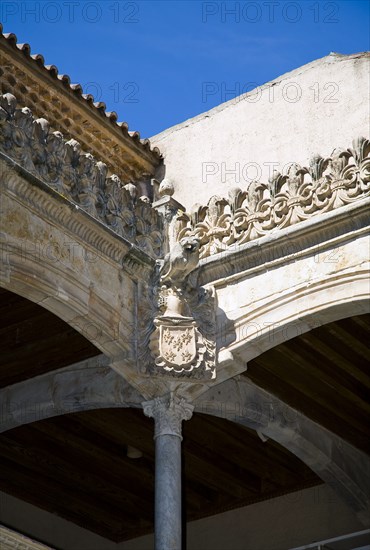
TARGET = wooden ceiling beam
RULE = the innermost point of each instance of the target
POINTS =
(297, 398)
(298, 356)
(332, 342)
(94, 457)
(257, 456)
(122, 426)
(28, 451)
(53, 497)
(205, 444)
(317, 389)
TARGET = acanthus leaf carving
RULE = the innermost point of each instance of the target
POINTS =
(168, 412)
(289, 198)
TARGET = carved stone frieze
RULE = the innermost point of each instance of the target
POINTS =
(78, 176)
(168, 412)
(80, 226)
(287, 199)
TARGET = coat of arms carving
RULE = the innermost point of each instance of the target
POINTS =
(181, 344)
(177, 345)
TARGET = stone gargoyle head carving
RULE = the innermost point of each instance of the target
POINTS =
(182, 259)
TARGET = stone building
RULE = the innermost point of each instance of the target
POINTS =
(234, 331)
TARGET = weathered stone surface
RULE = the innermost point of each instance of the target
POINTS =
(41, 236)
(90, 384)
(11, 540)
(168, 412)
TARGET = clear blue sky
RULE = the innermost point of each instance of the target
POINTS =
(157, 63)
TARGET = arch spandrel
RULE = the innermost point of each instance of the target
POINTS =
(300, 216)
(45, 264)
(69, 277)
(266, 296)
(73, 239)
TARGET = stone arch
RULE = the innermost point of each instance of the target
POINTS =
(66, 283)
(297, 310)
(76, 388)
(278, 315)
(59, 256)
(342, 466)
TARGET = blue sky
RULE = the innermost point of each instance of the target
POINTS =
(157, 63)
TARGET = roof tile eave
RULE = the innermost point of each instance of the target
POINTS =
(88, 99)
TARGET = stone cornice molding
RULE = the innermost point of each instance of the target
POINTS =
(287, 199)
(11, 540)
(312, 236)
(48, 204)
(168, 412)
(78, 177)
(315, 304)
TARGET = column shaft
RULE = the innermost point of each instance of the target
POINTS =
(168, 412)
(168, 492)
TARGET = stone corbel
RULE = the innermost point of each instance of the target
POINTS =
(181, 342)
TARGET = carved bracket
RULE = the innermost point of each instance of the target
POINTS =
(178, 322)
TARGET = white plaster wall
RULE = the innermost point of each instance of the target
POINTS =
(313, 109)
(278, 524)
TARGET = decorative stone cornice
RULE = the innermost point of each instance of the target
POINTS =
(57, 209)
(78, 177)
(314, 236)
(287, 199)
(11, 540)
(168, 413)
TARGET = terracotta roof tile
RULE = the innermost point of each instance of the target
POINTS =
(100, 106)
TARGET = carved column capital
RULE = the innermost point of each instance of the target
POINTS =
(168, 412)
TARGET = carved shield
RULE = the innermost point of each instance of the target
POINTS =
(177, 344)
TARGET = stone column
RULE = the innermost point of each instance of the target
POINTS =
(168, 413)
